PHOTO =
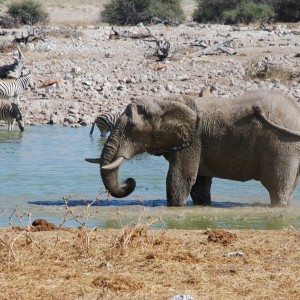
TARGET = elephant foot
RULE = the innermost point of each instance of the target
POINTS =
(202, 201)
(171, 201)
(280, 203)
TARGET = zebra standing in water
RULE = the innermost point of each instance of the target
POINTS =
(13, 88)
(105, 122)
(10, 112)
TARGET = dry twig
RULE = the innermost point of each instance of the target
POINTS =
(77, 218)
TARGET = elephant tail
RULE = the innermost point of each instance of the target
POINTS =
(260, 115)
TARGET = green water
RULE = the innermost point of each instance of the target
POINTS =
(45, 165)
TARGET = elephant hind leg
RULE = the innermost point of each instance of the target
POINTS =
(200, 191)
(280, 198)
(281, 190)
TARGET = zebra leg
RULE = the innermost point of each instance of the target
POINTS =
(92, 129)
(104, 132)
(10, 124)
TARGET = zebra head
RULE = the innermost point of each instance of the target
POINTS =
(18, 116)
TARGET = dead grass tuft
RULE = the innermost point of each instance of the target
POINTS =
(118, 283)
(221, 237)
(130, 234)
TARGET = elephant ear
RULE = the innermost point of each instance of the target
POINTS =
(174, 126)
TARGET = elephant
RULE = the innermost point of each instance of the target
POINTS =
(252, 136)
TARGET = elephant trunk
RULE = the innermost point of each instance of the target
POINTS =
(110, 162)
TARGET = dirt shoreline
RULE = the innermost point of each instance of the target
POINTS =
(138, 263)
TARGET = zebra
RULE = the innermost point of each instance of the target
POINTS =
(13, 88)
(105, 122)
(9, 112)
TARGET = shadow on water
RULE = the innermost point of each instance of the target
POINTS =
(145, 203)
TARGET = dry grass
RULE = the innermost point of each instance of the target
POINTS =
(137, 263)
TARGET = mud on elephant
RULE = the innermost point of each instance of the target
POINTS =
(253, 136)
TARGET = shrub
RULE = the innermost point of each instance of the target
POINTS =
(131, 12)
(123, 12)
(212, 10)
(232, 11)
(246, 12)
(166, 9)
(287, 10)
(28, 11)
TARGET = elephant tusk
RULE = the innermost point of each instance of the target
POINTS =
(116, 163)
(93, 160)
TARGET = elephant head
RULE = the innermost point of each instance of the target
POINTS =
(158, 127)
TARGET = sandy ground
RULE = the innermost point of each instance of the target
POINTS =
(137, 263)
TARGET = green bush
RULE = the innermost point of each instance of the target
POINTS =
(211, 11)
(233, 11)
(131, 12)
(28, 11)
(247, 12)
(166, 9)
(123, 12)
(287, 10)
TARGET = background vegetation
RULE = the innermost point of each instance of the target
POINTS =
(246, 11)
(27, 11)
(131, 12)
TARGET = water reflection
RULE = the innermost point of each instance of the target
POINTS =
(10, 136)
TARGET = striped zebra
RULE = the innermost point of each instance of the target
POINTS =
(13, 88)
(105, 122)
(10, 112)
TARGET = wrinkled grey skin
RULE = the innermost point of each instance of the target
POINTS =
(254, 136)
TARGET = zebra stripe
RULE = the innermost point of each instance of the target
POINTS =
(14, 88)
(105, 122)
(10, 112)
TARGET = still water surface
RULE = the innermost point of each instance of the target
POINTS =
(45, 165)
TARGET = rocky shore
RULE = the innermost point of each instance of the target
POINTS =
(99, 74)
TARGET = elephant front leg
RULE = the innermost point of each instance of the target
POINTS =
(200, 191)
(180, 179)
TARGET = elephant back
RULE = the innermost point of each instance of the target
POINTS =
(278, 108)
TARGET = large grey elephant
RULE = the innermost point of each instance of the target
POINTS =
(253, 136)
